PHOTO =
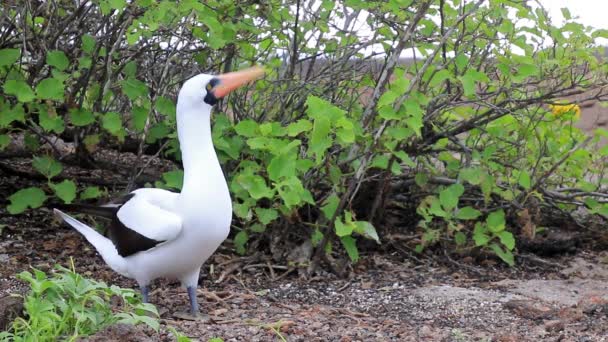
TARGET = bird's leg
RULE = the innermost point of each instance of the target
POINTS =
(193, 301)
(144, 293)
(194, 314)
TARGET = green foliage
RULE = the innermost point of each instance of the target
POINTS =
(9, 56)
(65, 190)
(172, 180)
(19, 89)
(91, 192)
(67, 306)
(31, 197)
(47, 166)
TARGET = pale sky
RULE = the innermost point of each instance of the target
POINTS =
(590, 12)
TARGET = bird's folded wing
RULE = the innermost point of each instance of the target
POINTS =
(146, 216)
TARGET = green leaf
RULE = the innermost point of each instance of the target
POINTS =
(330, 206)
(165, 106)
(65, 190)
(91, 192)
(265, 216)
(389, 113)
(139, 116)
(435, 207)
(50, 89)
(5, 140)
(174, 179)
(117, 4)
(32, 197)
(367, 229)
(130, 69)
(450, 196)
(20, 89)
(405, 158)
(316, 237)
(526, 70)
(505, 256)
(468, 213)
(345, 131)
(439, 77)
(320, 140)
(460, 238)
(282, 166)
(240, 241)
(380, 161)
(387, 99)
(8, 115)
(50, 121)
(524, 180)
(88, 43)
(343, 229)
(47, 166)
(112, 123)
(9, 56)
(255, 185)
(480, 235)
(472, 175)
(91, 142)
(421, 179)
(507, 239)
(298, 127)
(156, 132)
(470, 79)
(81, 117)
(258, 143)
(496, 221)
(247, 128)
(257, 228)
(58, 59)
(487, 184)
(134, 88)
(350, 245)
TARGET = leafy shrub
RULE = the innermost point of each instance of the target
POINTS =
(67, 306)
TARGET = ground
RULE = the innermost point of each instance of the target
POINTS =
(388, 296)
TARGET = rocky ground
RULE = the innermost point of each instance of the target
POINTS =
(386, 298)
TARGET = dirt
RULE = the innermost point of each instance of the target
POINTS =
(386, 298)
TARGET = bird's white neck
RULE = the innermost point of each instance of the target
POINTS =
(201, 166)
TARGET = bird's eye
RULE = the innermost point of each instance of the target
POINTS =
(209, 87)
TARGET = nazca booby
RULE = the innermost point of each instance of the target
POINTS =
(157, 233)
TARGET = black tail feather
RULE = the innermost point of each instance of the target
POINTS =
(104, 211)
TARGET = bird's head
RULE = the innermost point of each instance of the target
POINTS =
(205, 90)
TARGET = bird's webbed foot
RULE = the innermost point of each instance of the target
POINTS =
(194, 314)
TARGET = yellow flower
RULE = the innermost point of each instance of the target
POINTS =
(561, 109)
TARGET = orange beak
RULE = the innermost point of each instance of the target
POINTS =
(234, 80)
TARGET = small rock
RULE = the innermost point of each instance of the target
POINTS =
(554, 325)
(528, 309)
(425, 331)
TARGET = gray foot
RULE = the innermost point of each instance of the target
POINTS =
(188, 316)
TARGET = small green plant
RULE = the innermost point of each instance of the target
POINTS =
(490, 234)
(65, 306)
(179, 337)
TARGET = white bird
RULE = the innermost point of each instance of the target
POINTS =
(157, 233)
